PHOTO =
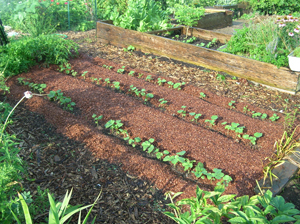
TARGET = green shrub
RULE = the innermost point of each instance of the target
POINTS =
(268, 41)
(142, 15)
(272, 7)
(21, 54)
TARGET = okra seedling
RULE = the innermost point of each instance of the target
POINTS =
(116, 85)
(148, 96)
(176, 158)
(149, 78)
(96, 119)
(178, 85)
(213, 120)
(170, 83)
(107, 81)
(188, 164)
(140, 75)
(253, 138)
(161, 81)
(182, 112)
(74, 73)
(264, 116)
(274, 117)
(231, 104)
(255, 114)
(83, 74)
(202, 95)
(245, 109)
(235, 127)
(115, 125)
(133, 142)
(131, 73)
(121, 70)
(159, 155)
(147, 145)
(196, 116)
(163, 102)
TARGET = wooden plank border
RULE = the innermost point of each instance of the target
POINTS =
(260, 72)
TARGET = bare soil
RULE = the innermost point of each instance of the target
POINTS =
(65, 150)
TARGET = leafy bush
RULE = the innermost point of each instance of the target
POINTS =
(266, 41)
(21, 54)
(272, 7)
(35, 16)
(142, 15)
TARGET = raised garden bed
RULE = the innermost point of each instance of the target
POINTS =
(260, 72)
(214, 19)
(204, 141)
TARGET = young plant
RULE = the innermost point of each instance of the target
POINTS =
(115, 125)
(147, 145)
(149, 78)
(235, 127)
(129, 48)
(202, 95)
(170, 83)
(274, 117)
(264, 116)
(96, 119)
(133, 142)
(178, 85)
(74, 73)
(160, 81)
(163, 102)
(131, 73)
(253, 138)
(107, 81)
(213, 120)
(196, 116)
(245, 109)
(159, 155)
(176, 158)
(231, 104)
(255, 114)
(140, 75)
(188, 164)
(84, 74)
(199, 170)
(116, 85)
(121, 70)
(182, 111)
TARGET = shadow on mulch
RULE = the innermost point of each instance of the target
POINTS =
(60, 164)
